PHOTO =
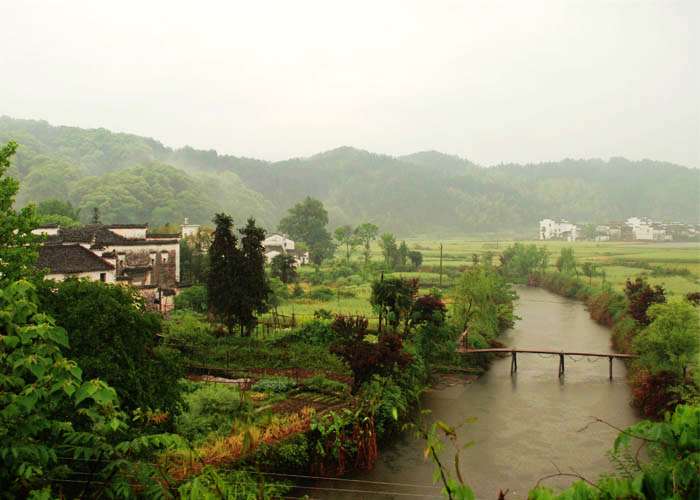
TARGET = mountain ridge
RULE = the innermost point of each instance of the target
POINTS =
(425, 192)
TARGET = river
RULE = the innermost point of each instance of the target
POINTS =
(529, 424)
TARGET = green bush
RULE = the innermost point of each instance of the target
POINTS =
(316, 332)
(436, 343)
(274, 384)
(211, 409)
(322, 293)
(114, 339)
(319, 383)
(187, 331)
(193, 298)
(291, 455)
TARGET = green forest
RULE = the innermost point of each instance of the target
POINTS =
(137, 179)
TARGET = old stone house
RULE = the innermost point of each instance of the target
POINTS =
(122, 253)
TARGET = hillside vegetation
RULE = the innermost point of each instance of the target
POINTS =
(138, 179)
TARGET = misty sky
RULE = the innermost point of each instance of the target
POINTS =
(519, 81)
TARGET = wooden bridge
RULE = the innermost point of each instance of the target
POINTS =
(463, 349)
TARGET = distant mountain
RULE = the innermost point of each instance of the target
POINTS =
(137, 179)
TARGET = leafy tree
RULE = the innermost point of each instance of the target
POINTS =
(402, 255)
(393, 299)
(115, 339)
(566, 263)
(366, 234)
(58, 207)
(224, 263)
(387, 242)
(48, 412)
(429, 309)
(589, 269)
(345, 235)
(96, 216)
(416, 259)
(641, 296)
(57, 212)
(283, 266)
(521, 263)
(306, 221)
(18, 246)
(367, 359)
(194, 262)
(671, 342)
(483, 303)
(252, 283)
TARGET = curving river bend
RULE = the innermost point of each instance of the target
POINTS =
(525, 423)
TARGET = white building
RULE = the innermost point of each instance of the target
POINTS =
(279, 244)
(187, 229)
(558, 230)
(121, 253)
(646, 230)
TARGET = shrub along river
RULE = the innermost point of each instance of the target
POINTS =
(529, 424)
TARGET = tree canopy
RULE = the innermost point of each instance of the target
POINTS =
(306, 221)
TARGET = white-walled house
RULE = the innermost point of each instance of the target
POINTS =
(119, 252)
(187, 230)
(558, 230)
(280, 244)
(646, 230)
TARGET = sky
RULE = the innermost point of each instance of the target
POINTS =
(496, 82)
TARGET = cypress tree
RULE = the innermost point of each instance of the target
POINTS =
(224, 262)
(252, 281)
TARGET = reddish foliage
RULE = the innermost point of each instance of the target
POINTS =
(652, 392)
(426, 307)
(346, 327)
(366, 359)
(641, 296)
(693, 297)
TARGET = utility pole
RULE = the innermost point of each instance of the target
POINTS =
(440, 265)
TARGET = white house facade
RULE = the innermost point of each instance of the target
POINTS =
(551, 229)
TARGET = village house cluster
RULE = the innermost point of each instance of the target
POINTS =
(131, 254)
(633, 229)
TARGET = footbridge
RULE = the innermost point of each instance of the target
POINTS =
(562, 354)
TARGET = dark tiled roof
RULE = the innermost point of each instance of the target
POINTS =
(98, 233)
(163, 235)
(99, 236)
(67, 259)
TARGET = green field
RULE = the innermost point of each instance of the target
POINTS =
(619, 261)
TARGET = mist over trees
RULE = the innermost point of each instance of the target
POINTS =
(137, 179)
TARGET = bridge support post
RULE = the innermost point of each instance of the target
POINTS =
(513, 362)
(610, 359)
(561, 364)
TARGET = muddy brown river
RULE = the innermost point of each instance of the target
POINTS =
(528, 425)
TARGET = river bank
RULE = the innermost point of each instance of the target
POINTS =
(527, 424)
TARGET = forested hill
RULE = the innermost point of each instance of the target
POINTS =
(137, 179)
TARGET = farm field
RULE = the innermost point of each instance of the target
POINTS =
(619, 260)
(675, 266)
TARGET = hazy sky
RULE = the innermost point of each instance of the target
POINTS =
(495, 82)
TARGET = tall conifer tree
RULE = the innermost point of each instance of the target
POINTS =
(224, 262)
(254, 287)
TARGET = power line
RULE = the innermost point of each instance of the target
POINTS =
(283, 474)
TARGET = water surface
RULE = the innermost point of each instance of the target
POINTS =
(529, 424)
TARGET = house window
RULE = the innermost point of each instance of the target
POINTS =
(164, 257)
(103, 277)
